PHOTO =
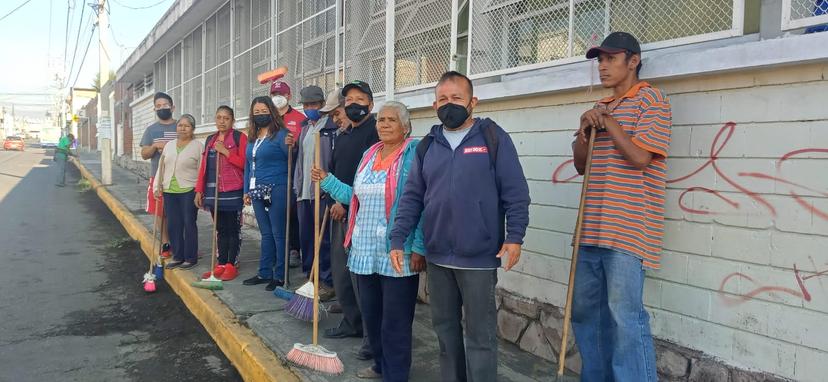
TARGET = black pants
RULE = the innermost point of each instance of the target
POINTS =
(228, 230)
(388, 305)
(181, 225)
(306, 231)
(351, 316)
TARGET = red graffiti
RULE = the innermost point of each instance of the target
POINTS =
(759, 289)
(719, 143)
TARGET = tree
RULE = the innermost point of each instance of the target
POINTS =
(96, 82)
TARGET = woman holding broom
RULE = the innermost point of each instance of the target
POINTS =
(179, 173)
(226, 149)
(387, 298)
(266, 187)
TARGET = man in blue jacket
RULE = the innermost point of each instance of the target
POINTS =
(466, 181)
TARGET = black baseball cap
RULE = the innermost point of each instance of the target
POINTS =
(362, 86)
(616, 42)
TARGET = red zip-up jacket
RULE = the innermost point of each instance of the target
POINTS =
(232, 167)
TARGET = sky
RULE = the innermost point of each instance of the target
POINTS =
(32, 55)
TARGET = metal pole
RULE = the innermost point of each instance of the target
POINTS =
(103, 78)
(453, 42)
(337, 48)
(607, 12)
(571, 28)
(389, 50)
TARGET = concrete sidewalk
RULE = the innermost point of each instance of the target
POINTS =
(263, 313)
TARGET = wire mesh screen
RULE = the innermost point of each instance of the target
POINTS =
(305, 42)
(507, 34)
(365, 42)
(422, 41)
(802, 9)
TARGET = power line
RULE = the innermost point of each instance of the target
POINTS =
(66, 33)
(77, 41)
(144, 7)
(84, 54)
(15, 10)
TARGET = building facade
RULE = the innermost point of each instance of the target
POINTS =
(744, 278)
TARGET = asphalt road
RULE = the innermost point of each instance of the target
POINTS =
(72, 307)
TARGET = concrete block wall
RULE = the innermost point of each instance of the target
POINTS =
(744, 283)
(142, 116)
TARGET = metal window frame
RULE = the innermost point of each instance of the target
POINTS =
(737, 29)
(788, 23)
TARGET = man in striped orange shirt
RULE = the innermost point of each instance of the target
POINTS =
(623, 216)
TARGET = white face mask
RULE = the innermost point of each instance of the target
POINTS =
(280, 101)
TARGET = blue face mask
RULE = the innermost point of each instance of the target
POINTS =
(313, 114)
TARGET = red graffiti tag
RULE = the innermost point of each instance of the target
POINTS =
(759, 289)
(720, 141)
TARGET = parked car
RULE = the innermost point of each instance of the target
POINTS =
(48, 145)
(14, 143)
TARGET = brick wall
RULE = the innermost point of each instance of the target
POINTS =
(745, 239)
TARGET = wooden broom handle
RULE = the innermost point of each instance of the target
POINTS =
(316, 239)
(576, 246)
(287, 214)
(213, 254)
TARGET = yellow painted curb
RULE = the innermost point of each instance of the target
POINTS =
(251, 357)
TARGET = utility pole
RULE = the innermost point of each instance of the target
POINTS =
(103, 77)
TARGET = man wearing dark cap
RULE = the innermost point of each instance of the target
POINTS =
(624, 215)
(348, 149)
(313, 99)
(280, 93)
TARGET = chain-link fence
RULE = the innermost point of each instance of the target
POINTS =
(805, 13)
(509, 34)
(305, 33)
(422, 41)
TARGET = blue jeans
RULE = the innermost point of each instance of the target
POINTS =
(611, 327)
(272, 227)
(61, 169)
(388, 305)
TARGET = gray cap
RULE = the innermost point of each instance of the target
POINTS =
(311, 93)
(335, 100)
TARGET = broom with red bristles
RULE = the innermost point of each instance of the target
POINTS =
(314, 356)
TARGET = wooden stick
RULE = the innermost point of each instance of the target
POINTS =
(317, 242)
(287, 215)
(576, 246)
(214, 254)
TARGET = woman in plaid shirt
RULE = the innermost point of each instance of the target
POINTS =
(387, 298)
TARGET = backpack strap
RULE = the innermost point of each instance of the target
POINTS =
(490, 136)
(422, 148)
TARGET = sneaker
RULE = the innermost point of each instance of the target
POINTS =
(186, 265)
(271, 286)
(256, 280)
(326, 293)
(368, 373)
(174, 264)
(295, 260)
(229, 273)
(216, 272)
(166, 252)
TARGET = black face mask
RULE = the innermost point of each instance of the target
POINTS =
(262, 120)
(356, 112)
(452, 115)
(164, 114)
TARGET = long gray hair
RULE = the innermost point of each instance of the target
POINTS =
(402, 113)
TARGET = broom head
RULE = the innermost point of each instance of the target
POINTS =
(317, 358)
(211, 283)
(149, 282)
(284, 294)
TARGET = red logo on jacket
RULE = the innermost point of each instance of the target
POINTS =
(476, 150)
